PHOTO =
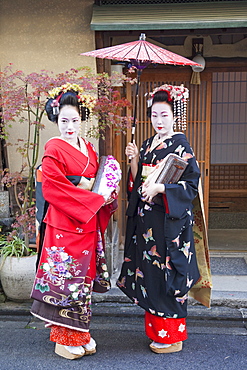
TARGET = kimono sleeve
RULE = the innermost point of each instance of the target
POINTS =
(132, 193)
(180, 196)
(59, 192)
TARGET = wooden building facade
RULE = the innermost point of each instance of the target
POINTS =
(217, 112)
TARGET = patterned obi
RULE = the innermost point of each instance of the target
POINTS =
(146, 170)
(86, 183)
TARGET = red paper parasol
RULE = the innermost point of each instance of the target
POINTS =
(140, 53)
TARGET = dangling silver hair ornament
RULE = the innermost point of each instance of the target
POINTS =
(55, 105)
(179, 95)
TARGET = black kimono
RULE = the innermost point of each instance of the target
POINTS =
(160, 263)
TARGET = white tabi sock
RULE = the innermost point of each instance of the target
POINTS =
(160, 345)
(76, 350)
(91, 345)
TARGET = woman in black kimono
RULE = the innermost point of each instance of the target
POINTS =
(160, 261)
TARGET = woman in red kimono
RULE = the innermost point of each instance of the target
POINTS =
(160, 265)
(72, 262)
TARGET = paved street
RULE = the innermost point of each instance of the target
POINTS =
(217, 336)
(217, 340)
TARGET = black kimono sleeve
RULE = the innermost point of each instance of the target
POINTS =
(179, 196)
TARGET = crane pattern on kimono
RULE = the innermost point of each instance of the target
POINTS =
(147, 254)
(148, 235)
(140, 210)
(186, 250)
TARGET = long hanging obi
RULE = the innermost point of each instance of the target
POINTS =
(72, 261)
(160, 265)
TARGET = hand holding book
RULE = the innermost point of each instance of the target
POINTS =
(168, 171)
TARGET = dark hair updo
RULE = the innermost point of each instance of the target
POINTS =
(161, 96)
(67, 98)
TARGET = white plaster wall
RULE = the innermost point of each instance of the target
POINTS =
(44, 34)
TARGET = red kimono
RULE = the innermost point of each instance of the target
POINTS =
(72, 261)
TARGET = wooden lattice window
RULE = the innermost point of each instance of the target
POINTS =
(228, 176)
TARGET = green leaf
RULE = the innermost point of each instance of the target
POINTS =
(30, 327)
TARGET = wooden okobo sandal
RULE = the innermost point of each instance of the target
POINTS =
(175, 347)
(63, 352)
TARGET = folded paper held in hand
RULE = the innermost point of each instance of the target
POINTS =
(108, 176)
(168, 171)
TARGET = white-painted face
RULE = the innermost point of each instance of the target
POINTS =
(162, 118)
(69, 123)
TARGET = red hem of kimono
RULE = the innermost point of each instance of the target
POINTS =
(165, 330)
(69, 337)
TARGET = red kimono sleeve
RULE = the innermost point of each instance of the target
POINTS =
(75, 203)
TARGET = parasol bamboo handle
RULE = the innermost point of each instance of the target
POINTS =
(139, 71)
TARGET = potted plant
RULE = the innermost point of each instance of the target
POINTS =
(17, 268)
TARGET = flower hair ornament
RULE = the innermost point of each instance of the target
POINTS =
(85, 100)
(179, 96)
